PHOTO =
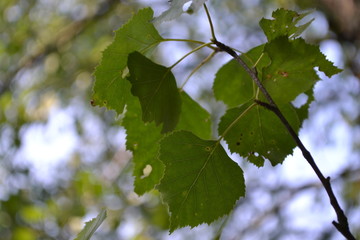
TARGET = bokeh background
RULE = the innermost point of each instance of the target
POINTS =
(62, 160)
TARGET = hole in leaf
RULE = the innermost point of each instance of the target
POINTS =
(300, 100)
(238, 143)
(125, 72)
(254, 154)
(146, 171)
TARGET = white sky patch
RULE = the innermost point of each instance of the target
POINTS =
(330, 156)
(333, 52)
(319, 27)
(46, 147)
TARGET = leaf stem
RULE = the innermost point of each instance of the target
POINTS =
(186, 40)
(181, 40)
(210, 22)
(189, 53)
(342, 224)
(257, 61)
(207, 59)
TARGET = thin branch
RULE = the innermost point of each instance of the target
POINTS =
(210, 22)
(342, 224)
(251, 72)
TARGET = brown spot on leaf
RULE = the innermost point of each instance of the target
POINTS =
(283, 73)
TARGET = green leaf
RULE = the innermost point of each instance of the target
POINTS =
(138, 34)
(257, 134)
(233, 85)
(143, 140)
(155, 86)
(176, 9)
(194, 118)
(91, 226)
(284, 24)
(201, 183)
(291, 71)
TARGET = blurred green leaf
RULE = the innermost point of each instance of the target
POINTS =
(32, 214)
(91, 226)
(24, 233)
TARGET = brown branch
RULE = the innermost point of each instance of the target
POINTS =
(342, 224)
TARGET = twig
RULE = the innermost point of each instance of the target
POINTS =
(342, 224)
(210, 22)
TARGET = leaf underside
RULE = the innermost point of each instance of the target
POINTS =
(155, 86)
(138, 34)
(233, 85)
(201, 183)
(291, 71)
(257, 133)
(194, 118)
(143, 139)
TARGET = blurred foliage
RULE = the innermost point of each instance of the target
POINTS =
(48, 52)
